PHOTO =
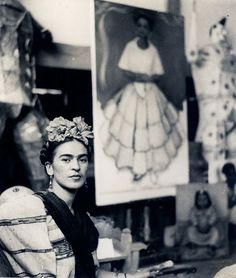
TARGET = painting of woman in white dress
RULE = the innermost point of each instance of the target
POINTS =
(201, 221)
(141, 130)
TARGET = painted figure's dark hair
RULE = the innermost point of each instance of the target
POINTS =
(48, 148)
(148, 15)
(227, 168)
(222, 22)
(206, 194)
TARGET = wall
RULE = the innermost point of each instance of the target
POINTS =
(69, 21)
(70, 24)
(208, 13)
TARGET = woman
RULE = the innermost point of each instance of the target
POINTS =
(46, 234)
(203, 231)
(142, 133)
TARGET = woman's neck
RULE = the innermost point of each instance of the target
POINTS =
(143, 42)
(65, 195)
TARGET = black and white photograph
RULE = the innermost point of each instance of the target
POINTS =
(118, 138)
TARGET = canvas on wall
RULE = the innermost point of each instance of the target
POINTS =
(139, 109)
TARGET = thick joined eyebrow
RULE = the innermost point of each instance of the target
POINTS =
(71, 155)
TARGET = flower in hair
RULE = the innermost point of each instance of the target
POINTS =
(81, 131)
(59, 129)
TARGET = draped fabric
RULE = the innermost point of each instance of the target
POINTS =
(17, 65)
(20, 36)
(214, 75)
(79, 231)
(5, 267)
(36, 246)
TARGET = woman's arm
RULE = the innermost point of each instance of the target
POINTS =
(136, 77)
(140, 77)
(24, 234)
(6, 269)
(212, 216)
(193, 217)
(228, 271)
(155, 77)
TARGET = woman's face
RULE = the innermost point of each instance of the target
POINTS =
(202, 200)
(143, 27)
(69, 166)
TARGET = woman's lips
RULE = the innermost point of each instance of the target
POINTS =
(75, 177)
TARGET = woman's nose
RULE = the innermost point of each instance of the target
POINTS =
(75, 164)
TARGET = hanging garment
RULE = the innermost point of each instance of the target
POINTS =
(17, 63)
(19, 33)
(215, 83)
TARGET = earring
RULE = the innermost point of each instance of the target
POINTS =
(85, 184)
(50, 182)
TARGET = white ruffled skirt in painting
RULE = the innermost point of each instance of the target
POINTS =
(141, 130)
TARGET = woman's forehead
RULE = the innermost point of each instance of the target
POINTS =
(74, 148)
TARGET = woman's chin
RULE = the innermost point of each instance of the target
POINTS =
(73, 186)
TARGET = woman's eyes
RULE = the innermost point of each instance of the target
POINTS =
(84, 160)
(66, 159)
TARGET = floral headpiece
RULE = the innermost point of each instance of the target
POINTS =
(59, 129)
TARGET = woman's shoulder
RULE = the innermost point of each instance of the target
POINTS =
(193, 209)
(153, 48)
(132, 43)
(26, 206)
(228, 271)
